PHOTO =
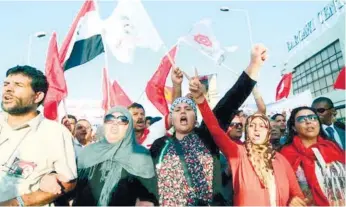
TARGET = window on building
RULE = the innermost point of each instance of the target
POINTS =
(319, 72)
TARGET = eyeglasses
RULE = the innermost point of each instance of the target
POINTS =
(311, 117)
(322, 110)
(236, 124)
(111, 119)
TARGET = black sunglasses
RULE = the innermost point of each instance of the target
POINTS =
(110, 119)
(311, 117)
(236, 124)
(322, 110)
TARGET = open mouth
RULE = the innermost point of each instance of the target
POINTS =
(8, 98)
(140, 123)
(183, 120)
(257, 136)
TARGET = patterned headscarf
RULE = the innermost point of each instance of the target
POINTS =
(180, 100)
(260, 155)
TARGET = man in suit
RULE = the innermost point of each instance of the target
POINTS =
(326, 111)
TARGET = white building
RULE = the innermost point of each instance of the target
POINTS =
(317, 54)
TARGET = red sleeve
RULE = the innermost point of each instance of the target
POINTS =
(226, 145)
(292, 179)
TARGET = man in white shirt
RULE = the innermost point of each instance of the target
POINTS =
(327, 113)
(30, 145)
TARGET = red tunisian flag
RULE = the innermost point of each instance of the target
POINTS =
(57, 89)
(284, 87)
(155, 89)
(340, 81)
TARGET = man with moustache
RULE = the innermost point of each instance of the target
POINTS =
(138, 114)
(30, 145)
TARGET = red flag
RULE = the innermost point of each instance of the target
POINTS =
(340, 81)
(284, 87)
(106, 103)
(57, 89)
(155, 89)
(113, 94)
(119, 97)
(169, 94)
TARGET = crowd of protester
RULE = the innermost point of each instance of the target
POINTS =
(229, 159)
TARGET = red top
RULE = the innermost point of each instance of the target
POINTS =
(248, 190)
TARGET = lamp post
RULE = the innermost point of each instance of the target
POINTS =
(37, 35)
(226, 9)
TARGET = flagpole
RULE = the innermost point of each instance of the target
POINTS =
(65, 107)
(169, 55)
(140, 96)
(222, 64)
(105, 56)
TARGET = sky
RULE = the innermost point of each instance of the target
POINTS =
(272, 23)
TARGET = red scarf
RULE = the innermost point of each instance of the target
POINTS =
(144, 136)
(297, 154)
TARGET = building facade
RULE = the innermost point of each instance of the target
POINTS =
(317, 55)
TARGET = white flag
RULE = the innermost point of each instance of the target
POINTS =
(129, 27)
(202, 38)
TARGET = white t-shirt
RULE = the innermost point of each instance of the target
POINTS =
(78, 147)
(30, 151)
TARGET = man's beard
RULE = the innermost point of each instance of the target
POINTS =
(19, 109)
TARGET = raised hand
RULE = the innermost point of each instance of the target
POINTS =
(196, 88)
(258, 55)
(177, 76)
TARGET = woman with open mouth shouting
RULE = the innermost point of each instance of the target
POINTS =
(256, 168)
(188, 163)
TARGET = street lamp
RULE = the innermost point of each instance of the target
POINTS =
(37, 35)
(226, 9)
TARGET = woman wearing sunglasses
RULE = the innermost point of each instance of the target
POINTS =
(116, 170)
(261, 176)
(319, 163)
